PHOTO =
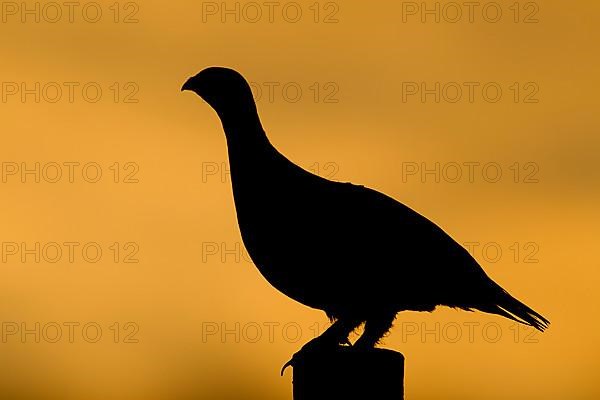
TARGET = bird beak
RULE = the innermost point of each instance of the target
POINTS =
(187, 85)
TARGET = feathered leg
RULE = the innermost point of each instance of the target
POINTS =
(375, 328)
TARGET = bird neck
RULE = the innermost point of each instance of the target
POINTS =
(252, 163)
(244, 133)
(250, 151)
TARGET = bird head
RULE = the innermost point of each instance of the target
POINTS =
(224, 89)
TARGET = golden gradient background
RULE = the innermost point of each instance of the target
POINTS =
(172, 295)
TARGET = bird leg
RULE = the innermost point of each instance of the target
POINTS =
(333, 336)
(375, 329)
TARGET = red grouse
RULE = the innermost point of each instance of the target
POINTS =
(348, 250)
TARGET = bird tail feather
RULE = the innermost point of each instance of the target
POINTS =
(509, 307)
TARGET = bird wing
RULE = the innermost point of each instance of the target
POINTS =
(365, 241)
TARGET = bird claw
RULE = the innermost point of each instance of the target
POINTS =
(287, 364)
(306, 348)
(317, 344)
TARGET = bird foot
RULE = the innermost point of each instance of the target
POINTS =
(319, 344)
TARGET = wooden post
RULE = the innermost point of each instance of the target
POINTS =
(347, 374)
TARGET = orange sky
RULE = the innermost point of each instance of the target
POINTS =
(170, 308)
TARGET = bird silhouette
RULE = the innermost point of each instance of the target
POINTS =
(349, 250)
